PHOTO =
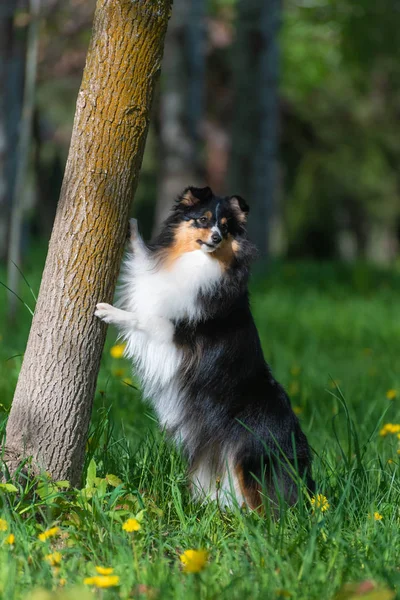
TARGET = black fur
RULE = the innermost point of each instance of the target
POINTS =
(231, 395)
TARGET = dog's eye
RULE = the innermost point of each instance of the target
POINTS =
(202, 220)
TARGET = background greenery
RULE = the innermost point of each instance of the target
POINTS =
(327, 315)
(331, 335)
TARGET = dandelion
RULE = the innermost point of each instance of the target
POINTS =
(117, 351)
(10, 539)
(294, 388)
(102, 581)
(3, 525)
(391, 394)
(297, 410)
(104, 570)
(62, 581)
(194, 561)
(53, 559)
(378, 516)
(295, 370)
(320, 502)
(389, 428)
(131, 525)
(53, 531)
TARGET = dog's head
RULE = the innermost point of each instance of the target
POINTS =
(208, 222)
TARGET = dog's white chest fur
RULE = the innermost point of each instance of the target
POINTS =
(157, 297)
(172, 293)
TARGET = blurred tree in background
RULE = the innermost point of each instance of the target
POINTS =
(310, 139)
(340, 88)
(255, 122)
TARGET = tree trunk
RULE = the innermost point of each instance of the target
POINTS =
(52, 405)
(180, 104)
(253, 168)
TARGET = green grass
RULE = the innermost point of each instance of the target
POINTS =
(319, 324)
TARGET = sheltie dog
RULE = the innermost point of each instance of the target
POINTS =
(185, 316)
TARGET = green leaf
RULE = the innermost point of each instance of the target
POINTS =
(63, 484)
(101, 488)
(8, 487)
(91, 474)
(113, 480)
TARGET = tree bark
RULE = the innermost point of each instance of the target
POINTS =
(253, 165)
(52, 404)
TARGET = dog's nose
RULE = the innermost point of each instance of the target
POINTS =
(216, 238)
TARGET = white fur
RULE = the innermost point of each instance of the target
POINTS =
(222, 486)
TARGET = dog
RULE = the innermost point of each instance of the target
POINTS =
(184, 314)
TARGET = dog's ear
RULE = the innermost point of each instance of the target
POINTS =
(240, 208)
(192, 195)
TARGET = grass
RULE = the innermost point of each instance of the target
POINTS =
(332, 336)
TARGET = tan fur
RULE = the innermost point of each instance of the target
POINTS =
(188, 199)
(240, 215)
(186, 238)
(250, 493)
(226, 252)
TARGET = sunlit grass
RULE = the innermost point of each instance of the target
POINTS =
(332, 336)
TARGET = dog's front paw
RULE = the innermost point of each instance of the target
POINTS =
(104, 311)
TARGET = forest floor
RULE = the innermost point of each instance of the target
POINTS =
(332, 336)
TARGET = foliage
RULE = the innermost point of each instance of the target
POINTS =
(341, 79)
(331, 334)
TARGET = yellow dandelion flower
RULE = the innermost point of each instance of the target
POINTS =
(3, 525)
(297, 410)
(398, 451)
(389, 428)
(295, 370)
(391, 394)
(54, 558)
(294, 388)
(131, 525)
(104, 570)
(48, 533)
(102, 581)
(62, 581)
(194, 561)
(117, 351)
(320, 502)
(377, 516)
(10, 539)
